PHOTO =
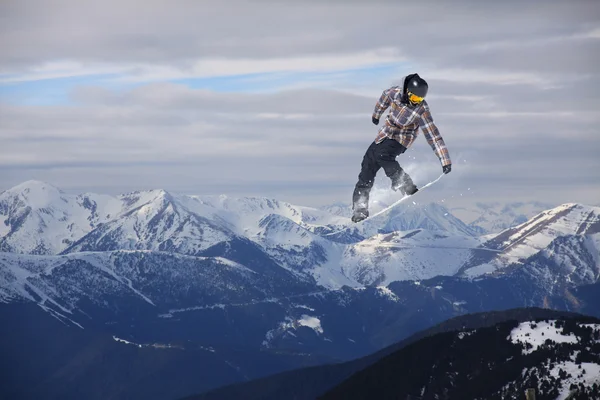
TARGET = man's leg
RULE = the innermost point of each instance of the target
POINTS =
(386, 157)
(366, 178)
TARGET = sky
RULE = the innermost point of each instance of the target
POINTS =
(274, 99)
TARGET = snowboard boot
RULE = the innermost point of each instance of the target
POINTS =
(410, 189)
(406, 188)
(402, 182)
(360, 214)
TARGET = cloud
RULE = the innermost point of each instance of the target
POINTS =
(177, 33)
(208, 67)
(271, 98)
(310, 137)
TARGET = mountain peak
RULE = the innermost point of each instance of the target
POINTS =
(531, 237)
(572, 212)
(36, 194)
(564, 206)
(33, 184)
(139, 198)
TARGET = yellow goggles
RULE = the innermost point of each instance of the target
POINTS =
(413, 98)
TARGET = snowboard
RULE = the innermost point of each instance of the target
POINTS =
(386, 209)
(398, 201)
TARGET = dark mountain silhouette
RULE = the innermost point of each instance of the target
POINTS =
(309, 383)
(487, 363)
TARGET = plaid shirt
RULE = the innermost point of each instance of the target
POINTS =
(403, 123)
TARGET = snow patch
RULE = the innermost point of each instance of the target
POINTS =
(289, 323)
(230, 263)
(157, 345)
(303, 306)
(595, 327)
(586, 373)
(480, 270)
(4, 228)
(208, 307)
(536, 333)
(311, 322)
(116, 339)
(386, 292)
(462, 335)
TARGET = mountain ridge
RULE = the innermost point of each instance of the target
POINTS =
(555, 357)
(295, 237)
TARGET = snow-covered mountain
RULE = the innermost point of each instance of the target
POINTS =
(409, 216)
(268, 276)
(566, 238)
(408, 255)
(156, 280)
(47, 232)
(408, 243)
(431, 217)
(482, 218)
(496, 217)
(38, 218)
(568, 235)
(153, 220)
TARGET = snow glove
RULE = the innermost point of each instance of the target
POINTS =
(447, 168)
(375, 120)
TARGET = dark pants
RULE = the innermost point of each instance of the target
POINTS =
(382, 155)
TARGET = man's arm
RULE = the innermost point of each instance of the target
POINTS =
(384, 101)
(435, 140)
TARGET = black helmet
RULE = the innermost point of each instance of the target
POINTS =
(416, 85)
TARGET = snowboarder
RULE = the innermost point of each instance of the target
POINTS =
(409, 112)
